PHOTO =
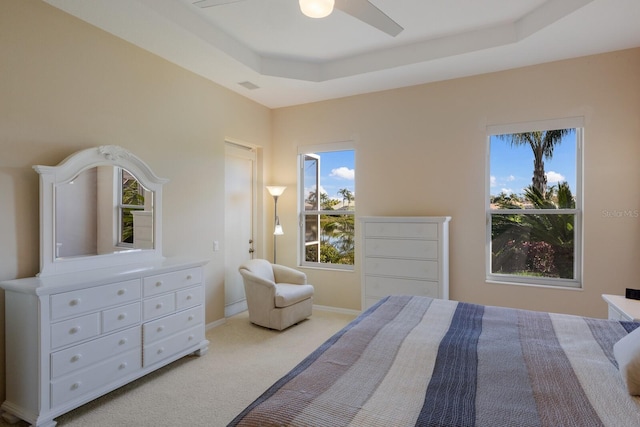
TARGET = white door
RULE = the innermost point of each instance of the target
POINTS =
(239, 219)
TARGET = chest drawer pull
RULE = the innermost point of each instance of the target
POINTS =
(190, 318)
(159, 306)
(76, 358)
(189, 277)
(191, 337)
(160, 350)
(122, 366)
(74, 302)
(123, 341)
(158, 283)
(74, 330)
(76, 386)
(122, 316)
(122, 291)
(160, 328)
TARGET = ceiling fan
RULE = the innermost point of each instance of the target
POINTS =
(363, 10)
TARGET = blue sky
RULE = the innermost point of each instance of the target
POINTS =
(512, 167)
(337, 171)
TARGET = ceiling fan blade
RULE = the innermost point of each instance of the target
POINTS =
(210, 3)
(367, 12)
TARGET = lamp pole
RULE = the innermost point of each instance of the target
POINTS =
(276, 191)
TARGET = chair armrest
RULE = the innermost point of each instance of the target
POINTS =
(285, 274)
(253, 279)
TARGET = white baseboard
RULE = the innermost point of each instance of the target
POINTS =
(336, 309)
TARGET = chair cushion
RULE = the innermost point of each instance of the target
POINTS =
(288, 294)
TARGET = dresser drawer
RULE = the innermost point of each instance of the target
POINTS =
(154, 285)
(379, 287)
(169, 325)
(120, 317)
(189, 297)
(414, 230)
(75, 330)
(90, 299)
(417, 269)
(78, 384)
(169, 346)
(83, 355)
(425, 249)
(159, 306)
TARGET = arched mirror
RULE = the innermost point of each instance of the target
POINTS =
(99, 207)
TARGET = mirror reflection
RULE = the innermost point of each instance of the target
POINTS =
(102, 210)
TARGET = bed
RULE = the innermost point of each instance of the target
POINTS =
(428, 362)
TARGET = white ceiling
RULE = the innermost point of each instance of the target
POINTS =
(294, 59)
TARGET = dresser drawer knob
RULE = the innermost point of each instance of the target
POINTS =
(189, 277)
(158, 283)
(190, 338)
(160, 350)
(189, 297)
(76, 386)
(74, 330)
(74, 302)
(160, 328)
(158, 306)
(122, 341)
(122, 291)
(122, 316)
(122, 366)
(190, 318)
(76, 358)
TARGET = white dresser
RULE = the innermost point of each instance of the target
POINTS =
(404, 256)
(73, 337)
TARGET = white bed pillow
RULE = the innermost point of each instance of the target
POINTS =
(627, 354)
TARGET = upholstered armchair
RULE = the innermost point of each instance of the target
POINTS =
(277, 296)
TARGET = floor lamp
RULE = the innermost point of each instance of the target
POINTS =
(276, 191)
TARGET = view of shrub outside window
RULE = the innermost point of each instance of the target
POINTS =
(328, 209)
(534, 209)
(131, 199)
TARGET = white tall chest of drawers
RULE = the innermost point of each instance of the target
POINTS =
(404, 256)
(73, 337)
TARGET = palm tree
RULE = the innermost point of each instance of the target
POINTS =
(542, 144)
(346, 195)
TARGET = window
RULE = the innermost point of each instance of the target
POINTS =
(534, 205)
(131, 198)
(327, 206)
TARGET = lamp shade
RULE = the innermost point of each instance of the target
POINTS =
(317, 8)
(276, 190)
(278, 230)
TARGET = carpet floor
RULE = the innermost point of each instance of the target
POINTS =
(242, 362)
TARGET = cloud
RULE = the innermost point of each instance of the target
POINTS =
(343, 173)
(554, 177)
(511, 178)
(492, 181)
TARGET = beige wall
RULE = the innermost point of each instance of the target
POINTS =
(65, 86)
(421, 151)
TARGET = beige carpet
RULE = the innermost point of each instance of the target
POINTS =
(243, 361)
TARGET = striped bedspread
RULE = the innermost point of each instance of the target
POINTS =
(426, 362)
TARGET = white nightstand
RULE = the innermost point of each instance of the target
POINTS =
(621, 308)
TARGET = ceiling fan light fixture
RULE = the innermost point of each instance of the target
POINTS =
(317, 8)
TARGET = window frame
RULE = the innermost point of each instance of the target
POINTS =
(576, 123)
(303, 152)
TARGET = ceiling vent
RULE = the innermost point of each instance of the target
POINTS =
(249, 85)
